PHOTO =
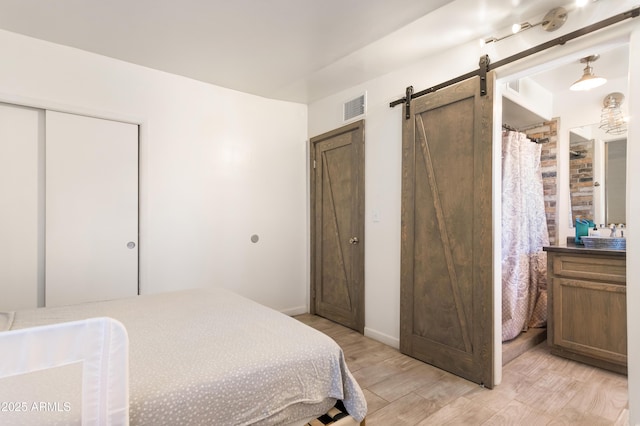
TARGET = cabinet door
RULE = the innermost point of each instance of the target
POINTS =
(590, 318)
(91, 209)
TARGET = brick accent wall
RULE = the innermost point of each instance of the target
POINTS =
(549, 165)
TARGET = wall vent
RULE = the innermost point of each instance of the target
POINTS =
(354, 108)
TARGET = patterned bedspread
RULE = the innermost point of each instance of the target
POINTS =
(214, 357)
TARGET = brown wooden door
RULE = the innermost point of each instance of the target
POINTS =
(337, 225)
(446, 283)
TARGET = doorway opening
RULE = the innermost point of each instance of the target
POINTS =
(537, 102)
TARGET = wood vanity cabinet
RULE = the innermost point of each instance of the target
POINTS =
(587, 306)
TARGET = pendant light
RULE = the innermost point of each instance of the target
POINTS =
(588, 80)
(612, 120)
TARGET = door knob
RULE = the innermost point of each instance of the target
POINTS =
(354, 240)
(131, 245)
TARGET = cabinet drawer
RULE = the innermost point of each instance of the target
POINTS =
(607, 269)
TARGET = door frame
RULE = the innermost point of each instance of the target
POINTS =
(359, 166)
(543, 61)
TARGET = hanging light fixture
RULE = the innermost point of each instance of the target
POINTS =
(588, 80)
(612, 120)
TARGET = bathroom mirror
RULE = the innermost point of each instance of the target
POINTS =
(597, 179)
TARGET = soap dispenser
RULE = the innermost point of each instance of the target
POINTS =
(594, 232)
(583, 227)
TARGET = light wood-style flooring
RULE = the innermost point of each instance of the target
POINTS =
(537, 388)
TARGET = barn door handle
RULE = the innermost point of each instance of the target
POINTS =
(354, 240)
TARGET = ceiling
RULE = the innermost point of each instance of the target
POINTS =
(295, 50)
(613, 64)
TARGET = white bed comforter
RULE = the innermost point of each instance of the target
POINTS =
(213, 357)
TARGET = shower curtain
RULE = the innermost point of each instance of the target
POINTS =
(524, 233)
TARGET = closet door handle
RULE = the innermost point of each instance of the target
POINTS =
(131, 245)
(354, 240)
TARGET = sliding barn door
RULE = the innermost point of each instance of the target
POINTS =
(337, 226)
(91, 209)
(446, 283)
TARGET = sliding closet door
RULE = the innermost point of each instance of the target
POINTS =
(21, 200)
(446, 284)
(91, 209)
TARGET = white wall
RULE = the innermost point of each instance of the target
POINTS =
(383, 152)
(216, 167)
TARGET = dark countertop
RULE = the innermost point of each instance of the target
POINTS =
(572, 248)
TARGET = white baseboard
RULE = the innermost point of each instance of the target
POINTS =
(299, 310)
(382, 337)
(369, 332)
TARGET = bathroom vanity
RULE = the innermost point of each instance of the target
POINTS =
(587, 309)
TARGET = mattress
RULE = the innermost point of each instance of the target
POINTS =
(208, 357)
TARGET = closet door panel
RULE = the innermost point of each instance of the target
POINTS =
(91, 209)
(21, 186)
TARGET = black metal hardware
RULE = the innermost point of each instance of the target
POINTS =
(633, 13)
(407, 102)
(482, 71)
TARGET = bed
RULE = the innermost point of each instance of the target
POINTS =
(194, 357)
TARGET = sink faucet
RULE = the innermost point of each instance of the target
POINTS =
(613, 231)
